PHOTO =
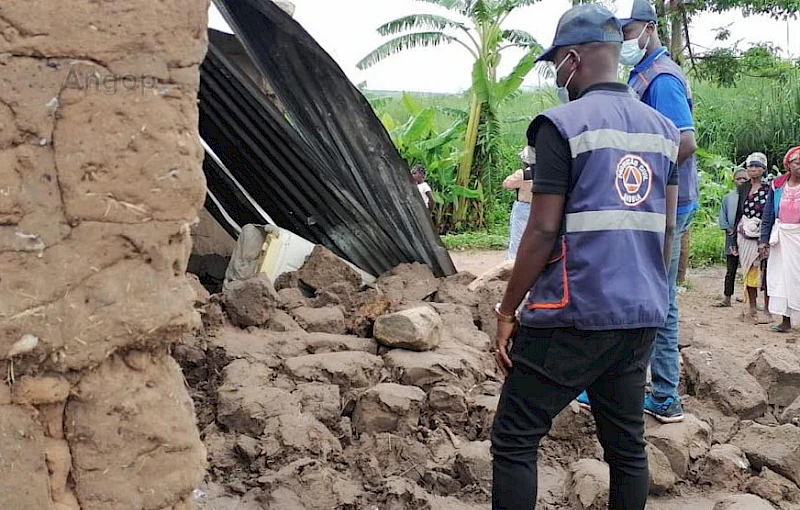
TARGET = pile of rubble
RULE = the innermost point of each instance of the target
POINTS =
(317, 392)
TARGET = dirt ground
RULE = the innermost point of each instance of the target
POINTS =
(725, 327)
(477, 261)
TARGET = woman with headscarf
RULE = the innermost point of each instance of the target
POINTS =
(752, 200)
(780, 242)
(521, 181)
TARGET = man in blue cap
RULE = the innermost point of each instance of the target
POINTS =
(661, 83)
(593, 263)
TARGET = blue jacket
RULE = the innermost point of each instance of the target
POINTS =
(607, 271)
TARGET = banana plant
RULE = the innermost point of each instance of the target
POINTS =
(477, 26)
(419, 142)
(489, 95)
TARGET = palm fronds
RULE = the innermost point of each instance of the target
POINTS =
(405, 42)
(419, 21)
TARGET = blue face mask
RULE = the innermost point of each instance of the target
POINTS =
(563, 92)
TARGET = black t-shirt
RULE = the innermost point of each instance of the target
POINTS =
(551, 175)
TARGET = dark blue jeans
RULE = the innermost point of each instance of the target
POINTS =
(551, 367)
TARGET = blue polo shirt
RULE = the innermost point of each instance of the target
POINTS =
(667, 95)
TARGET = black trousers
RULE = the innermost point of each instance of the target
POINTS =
(730, 274)
(551, 367)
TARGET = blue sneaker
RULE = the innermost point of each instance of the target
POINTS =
(583, 401)
(668, 410)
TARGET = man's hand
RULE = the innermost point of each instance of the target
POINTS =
(763, 250)
(535, 247)
(505, 330)
(735, 251)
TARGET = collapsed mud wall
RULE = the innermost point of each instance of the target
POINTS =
(100, 180)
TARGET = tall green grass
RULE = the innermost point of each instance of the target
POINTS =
(759, 114)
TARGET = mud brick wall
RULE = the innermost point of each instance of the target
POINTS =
(100, 180)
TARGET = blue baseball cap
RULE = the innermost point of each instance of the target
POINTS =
(583, 24)
(629, 11)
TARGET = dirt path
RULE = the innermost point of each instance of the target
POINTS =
(724, 327)
(477, 261)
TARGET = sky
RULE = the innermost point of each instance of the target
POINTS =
(346, 30)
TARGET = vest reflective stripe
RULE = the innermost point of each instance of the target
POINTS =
(596, 221)
(631, 142)
(608, 270)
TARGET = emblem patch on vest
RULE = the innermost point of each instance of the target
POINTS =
(633, 180)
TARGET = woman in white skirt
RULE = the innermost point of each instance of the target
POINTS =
(521, 181)
(780, 241)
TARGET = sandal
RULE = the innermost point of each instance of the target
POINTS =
(778, 329)
(721, 304)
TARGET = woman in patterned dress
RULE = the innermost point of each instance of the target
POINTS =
(752, 200)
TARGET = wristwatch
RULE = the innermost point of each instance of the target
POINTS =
(509, 319)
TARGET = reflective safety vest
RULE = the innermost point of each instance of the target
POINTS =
(688, 190)
(607, 270)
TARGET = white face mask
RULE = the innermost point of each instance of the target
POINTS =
(631, 53)
(562, 92)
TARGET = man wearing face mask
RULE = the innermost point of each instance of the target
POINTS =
(593, 262)
(661, 84)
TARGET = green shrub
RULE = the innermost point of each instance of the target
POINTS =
(707, 245)
(475, 241)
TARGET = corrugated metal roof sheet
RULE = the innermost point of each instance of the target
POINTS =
(325, 168)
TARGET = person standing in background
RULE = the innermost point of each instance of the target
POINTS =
(521, 210)
(727, 222)
(661, 84)
(418, 172)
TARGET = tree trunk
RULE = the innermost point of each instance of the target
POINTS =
(683, 264)
(676, 36)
